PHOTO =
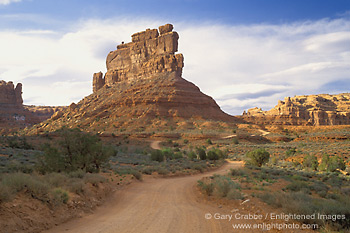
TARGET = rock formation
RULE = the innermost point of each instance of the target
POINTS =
(9, 95)
(13, 114)
(149, 53)
(142, 86)
(305, 110)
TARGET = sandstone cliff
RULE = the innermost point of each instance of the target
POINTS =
(13, 114)
(149, 53)
(315, 110)
(142, 90)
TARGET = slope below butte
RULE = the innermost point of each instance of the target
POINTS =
(143, 105)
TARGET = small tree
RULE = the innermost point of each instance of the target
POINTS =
(77, 150)
(258, 157)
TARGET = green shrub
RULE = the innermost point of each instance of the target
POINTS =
(332, 163)
(59, 195)
(223, 185)
(77, 174)
(234, 194)
(301, 203)
(192, 155)
(310, 161)
(201, 153)
(212, 155)
(209, 141)
(137, 175)
(75, 185)
(157, 155)
(148, 170)
(94, 179)
(297, 186)
(56, 179)
(162, 171)
(6, 193)
(207, 187)
(235, 141)
(258, 157)
(178, 155)
(291, 152)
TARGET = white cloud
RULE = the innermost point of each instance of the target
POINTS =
(7, 2)
(240, 66)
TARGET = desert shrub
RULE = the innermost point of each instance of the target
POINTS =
(76, 185)
(56, 179)
(234, 194)
(148, 170)
(331, 163)
(168, 153)
(178, 155)
(201, 153)
(163, 171)
(297, 186)
(223, 154)
(209, 141)
(137, 175)
(6, 193)
(77, 150)
(77, 174)
(235, 141)
(291, 152)
(19, 181)
(185, 141)
(59, 196)
(192, 155)
(237, 172)
(212, 155)
(198, 167)
(258, 157)
(19, 142)
(94, 179)
(310, 161)
(301, 203)
(157, 155)
(223, 185)
(207, 187)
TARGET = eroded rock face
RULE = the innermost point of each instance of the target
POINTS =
(305, 110)
(15, 115)
(9, 95)
(149, 53)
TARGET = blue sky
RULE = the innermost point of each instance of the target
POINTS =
(244, 53)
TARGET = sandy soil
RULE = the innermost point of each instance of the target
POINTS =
(155, 206)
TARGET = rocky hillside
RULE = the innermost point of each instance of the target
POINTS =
(15, 115)
(313, 110)
(142, 90)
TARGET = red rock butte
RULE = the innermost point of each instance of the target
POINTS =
(149, 53)
(143, 85)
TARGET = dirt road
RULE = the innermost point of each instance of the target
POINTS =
(155, 206)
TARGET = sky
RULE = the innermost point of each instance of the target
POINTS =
(243, 53)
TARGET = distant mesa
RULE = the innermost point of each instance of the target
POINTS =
(311, 110)
(142, 89)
